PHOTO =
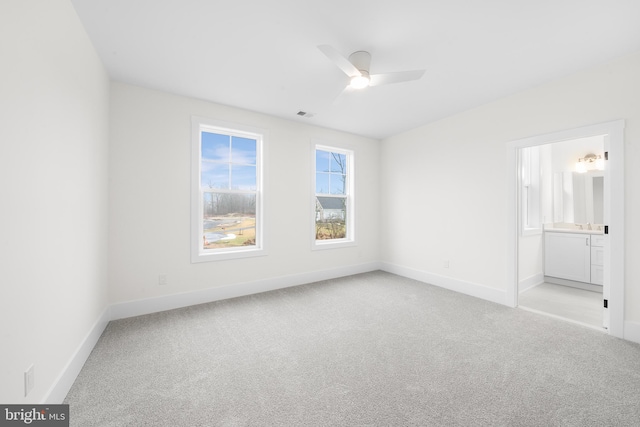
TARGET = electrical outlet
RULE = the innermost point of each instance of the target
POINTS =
(162, 279)
(445, 263)
(29, 380)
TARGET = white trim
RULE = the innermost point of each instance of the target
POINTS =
(468, 288)
(614, 266)
(530, 282)
(632, 331)
(260, 135)
(331, 244)
(173, 301)
(573, 284)
(614, 261)
(529, 163)
(350, 239)
(513, 225)
(62, 384)
(531, 232)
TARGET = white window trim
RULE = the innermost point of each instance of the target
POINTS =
(350, 239)
(197, 256)
(530, 166)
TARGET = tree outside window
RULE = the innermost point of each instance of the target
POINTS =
(333, 207)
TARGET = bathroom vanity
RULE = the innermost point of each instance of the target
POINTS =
(574, 254)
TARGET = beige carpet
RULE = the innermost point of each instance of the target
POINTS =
(368, 350)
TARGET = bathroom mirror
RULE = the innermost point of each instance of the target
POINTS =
(578, 197)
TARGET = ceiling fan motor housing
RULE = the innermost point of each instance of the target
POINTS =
(361, 60)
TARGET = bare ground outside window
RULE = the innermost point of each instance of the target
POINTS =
(228, 231)
(331, 229)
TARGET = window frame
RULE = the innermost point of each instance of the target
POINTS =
(198, 254)
(530, 191)
(350, 238)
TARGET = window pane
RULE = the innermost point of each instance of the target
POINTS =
(243, 177)
(333, 201)
(228, 204)
(322, 183)
(337, 183)
(331, 213)
(322, 161)
(228, 220)
(215, 146)
(215, 175)
(338, 163)
(243, 150)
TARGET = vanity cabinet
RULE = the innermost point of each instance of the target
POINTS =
(568, 256)
(597, 259)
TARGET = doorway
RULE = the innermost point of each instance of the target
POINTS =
(612, 299)
(560, 207)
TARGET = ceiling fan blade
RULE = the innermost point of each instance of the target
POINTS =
(346, 91)
(343, 63)
(399, 77)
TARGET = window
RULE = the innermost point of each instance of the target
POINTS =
(333, 197)
(227, 191)
(530, 190)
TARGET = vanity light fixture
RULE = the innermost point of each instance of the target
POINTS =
(589, 162)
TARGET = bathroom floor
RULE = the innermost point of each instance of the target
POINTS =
(576, 305)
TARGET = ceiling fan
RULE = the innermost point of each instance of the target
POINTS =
(357, 68)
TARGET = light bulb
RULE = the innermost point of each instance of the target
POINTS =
(359, 82)
(581, 166)
(599, 163)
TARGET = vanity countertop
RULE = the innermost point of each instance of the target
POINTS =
(572, 230)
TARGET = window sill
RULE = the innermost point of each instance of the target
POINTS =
(332, 244)
(531, 232)
(227, 255)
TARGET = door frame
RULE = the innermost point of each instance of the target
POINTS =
(613, 288)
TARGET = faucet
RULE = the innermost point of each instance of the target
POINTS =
(579, 225)
(589, 226)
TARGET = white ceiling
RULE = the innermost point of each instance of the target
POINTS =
(262, 55)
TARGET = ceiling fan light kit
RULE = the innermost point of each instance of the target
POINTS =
(362, 61)
(360, 82)
(357, 68)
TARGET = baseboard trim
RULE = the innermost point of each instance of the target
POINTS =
(65, 380)
(462, 286)
(573, 284)
(632, 331)
(169, 302)
(530, 282)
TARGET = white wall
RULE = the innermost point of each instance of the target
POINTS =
(444, 185)
(53, 181)
(149, 199)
